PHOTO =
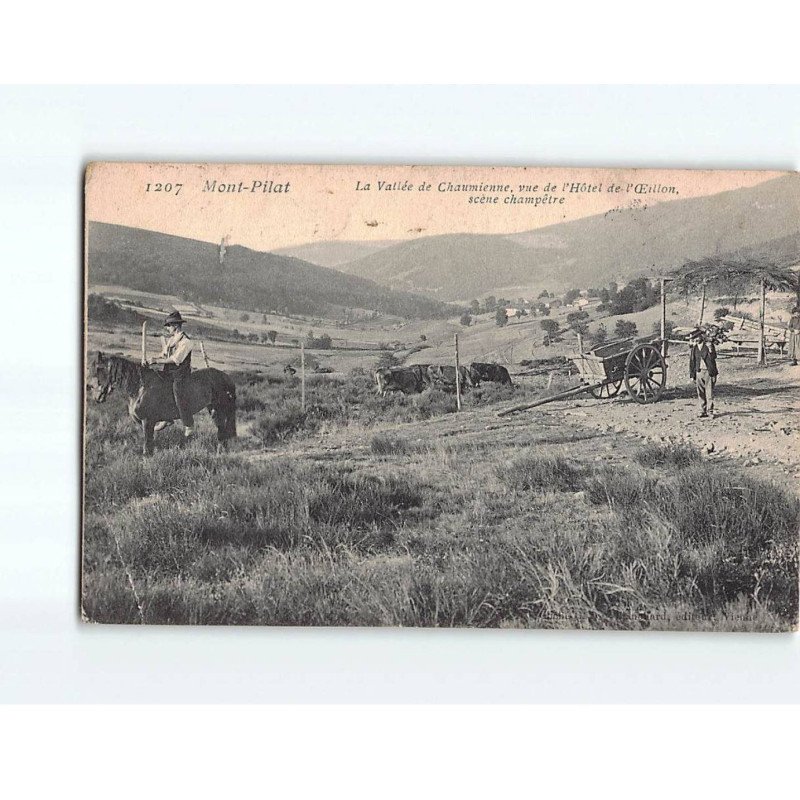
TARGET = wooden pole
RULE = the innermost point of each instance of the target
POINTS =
(663, 317)
(458, 377)
(762, 352)
(203, 351)
(560, 396)
(580, 342)
(302, 377)
(702, 305)
(144, 343)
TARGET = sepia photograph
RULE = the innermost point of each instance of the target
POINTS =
(420, 396)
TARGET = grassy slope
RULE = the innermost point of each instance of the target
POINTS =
(156, 262)
(396, 512)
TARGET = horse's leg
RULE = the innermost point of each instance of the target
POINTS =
(147, 427)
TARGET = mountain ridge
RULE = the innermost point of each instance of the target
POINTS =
(593, 250)
(245, 278)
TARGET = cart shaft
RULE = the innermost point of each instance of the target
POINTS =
(560, 396)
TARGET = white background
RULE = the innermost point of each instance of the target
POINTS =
(46, 138)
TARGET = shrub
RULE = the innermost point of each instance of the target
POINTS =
(674, 455)
(625, 328)
(279, 424)
(542, 472)
(389, 444)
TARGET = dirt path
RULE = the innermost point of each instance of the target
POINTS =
(757, 425)
(757, 422)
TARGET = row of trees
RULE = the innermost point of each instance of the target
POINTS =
(554, 333)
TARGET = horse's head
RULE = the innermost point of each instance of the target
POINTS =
(101, 380)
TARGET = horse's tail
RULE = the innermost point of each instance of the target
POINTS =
(226, 412)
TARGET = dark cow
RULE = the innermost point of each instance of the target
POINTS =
(489, 372)
(408, 380)
(444, 377)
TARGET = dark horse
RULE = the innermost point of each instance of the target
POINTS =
(150, 398)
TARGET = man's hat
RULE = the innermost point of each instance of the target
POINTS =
(697, 333)
(174, 318)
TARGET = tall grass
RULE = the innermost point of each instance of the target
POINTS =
(461, 536)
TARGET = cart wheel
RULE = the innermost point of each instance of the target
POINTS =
(645, 373)
(607, 390)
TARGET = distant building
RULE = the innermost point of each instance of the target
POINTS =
(581, 302)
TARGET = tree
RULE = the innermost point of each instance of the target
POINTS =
(500, 318)
(579, 322)
(625, 328)
(490, 303)
(571, 296)
(272, 336)
(475, 308)
(263, 319)
(544, 293)
(745, 272)
(600, 335)
(670, 327)
(466, 319)
(721, 312)
(550, 327)
(244, 317)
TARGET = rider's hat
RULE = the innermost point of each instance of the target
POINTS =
(174, 318)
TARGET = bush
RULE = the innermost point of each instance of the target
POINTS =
(721, 312)
(625, 329)
(542, 472)
(279, 424)
(672, 455)
(389, 444)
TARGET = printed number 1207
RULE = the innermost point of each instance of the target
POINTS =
(170, 188)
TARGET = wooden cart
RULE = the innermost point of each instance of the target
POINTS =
(637, 363)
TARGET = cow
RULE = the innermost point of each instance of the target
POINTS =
(489, 372)
(444, 377)
(408, 380)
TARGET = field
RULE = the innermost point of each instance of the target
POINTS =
(400, 511)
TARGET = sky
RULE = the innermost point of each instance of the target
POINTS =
(268, 207)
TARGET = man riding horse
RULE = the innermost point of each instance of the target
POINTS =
(177, 360)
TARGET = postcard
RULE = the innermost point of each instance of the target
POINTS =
(441, 396)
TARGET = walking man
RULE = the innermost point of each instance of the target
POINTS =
(177, 360)
(703, 369)
(794, 335)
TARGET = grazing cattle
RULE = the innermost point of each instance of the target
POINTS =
(408, 380)
(489, 372)
(444, 377)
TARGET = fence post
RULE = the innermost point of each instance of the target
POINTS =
(762, 350)
(144, 343)
(458, 378)
(702, 305)
(203, 351)
(664, 337)
(302, 377)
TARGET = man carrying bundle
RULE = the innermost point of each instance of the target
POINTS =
(794, 335)
(177, 360)
(703, 368)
